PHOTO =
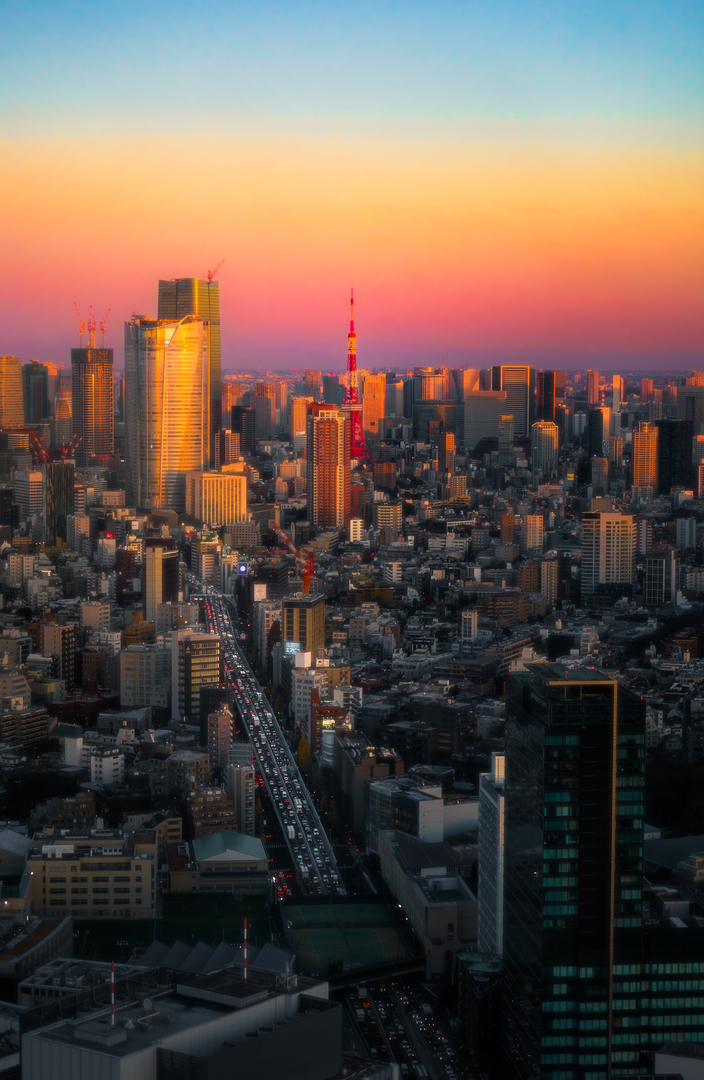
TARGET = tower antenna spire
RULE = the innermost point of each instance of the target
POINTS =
(351, 403)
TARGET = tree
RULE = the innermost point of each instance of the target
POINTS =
(303, 754)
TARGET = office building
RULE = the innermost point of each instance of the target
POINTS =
(195, 662)
(244, 425)
(29, 492)
(216, 498)
(661, 578)
(304, 622)
(518, 382)
(11, 395)
(482, 410)
(299, 412)
(160, 574)
(328, 466)
(166, 404)
(675, 456)
(645, 458)
(227, 446)
(59, 640)
(35, 392)
(240, 784)
(615, 449)
(544, 438)
(263, 400)
(145, 677)
(62, 421)
(618, 394)
(312, 383)
(430, 384)
(373, 405)
(94, 873)
(593, 395)
(532, 533)
(58, 499)
(446, 452)
(573, 812)
(595, 433)
(231, 396)
(92, 404)
(388, 516)
(219, 732)
(333, 390)
(490, 879)
(199, 300)
(646, 390)
(608, 551)
(545, 399)
(506, 430)
(686, 533)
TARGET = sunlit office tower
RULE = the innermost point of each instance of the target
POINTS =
(446, 452)
(431, 384)
(533, 533)
(299, 408)
(58, 499)
(618, 394)
(373, 405)
(328, 466)
(62, 422)
(615, 449)
(490, 910)
(231, 395)
(193, 297)
(646, 390)
(92, 404)
(227, 447)
(195, 663)
(645, 458)
(166, 403)
(593, 396)
(11, 397)
(160, 574)
(543, 446)
(35, 391)
(519, 385)
(608, 552)
(216, 498)
(304, 622)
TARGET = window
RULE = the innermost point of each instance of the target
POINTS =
(106, 879)
(99, 890)
(121, 901)
(121, 890)
(52, 891)
(75, 880)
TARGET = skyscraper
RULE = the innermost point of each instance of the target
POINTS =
(545, 404)
(328, 466)
(506, 430)
(58, 499)
(608, 552)
(216, 498)
(543, 446)
(244, 425)
(519, 384)
(160, 574)
(490, 912)
(199, 299)
(304, 621)
(333, 390)
(166, 406)
(11, 398)
(573, 907)
(593, 396)
(373, 405)
(618, 394)
(231, 395)
(645, 458)
(675, 456)
(595, 433)
(482, 409)
(92, 403)
(35, 392)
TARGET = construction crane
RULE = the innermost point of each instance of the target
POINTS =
(211, 273)
(41, 454)
(81, 326)
(103, 326)
(307, 564)
(91, 328)
(67, 452)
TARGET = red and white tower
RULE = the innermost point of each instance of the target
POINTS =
(351, 403)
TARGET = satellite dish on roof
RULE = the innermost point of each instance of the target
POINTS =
(147, 1004)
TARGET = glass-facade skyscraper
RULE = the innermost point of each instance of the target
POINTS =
(200, 299)
(92, 404)
(166, 408)
(590, 987)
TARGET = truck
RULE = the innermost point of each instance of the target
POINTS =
(291, 832)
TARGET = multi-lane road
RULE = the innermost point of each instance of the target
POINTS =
(311, 851)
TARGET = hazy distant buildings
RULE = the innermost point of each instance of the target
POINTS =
(11, 398)
(35, 391)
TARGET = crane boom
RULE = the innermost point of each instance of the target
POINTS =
(307, 564)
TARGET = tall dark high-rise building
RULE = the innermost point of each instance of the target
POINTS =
(92, 403)
(244, 425)
(545, 404)
(573, 869)
(519, 384)
(200, 299)
(675, 466)
(160, 574)
(595, 433)
(35, 392)
(58, 499)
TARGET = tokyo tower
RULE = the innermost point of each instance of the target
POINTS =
(351, 403)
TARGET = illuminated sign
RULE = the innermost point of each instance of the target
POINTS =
(109, 535)
(291, 647)
(242, 569)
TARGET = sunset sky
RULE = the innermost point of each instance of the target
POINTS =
(497, 180)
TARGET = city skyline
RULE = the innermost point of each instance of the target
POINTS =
(516, 187)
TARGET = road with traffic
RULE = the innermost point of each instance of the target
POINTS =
(311, 851)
